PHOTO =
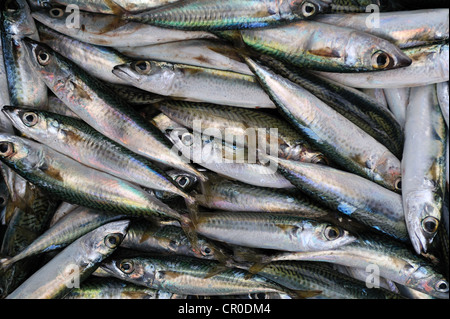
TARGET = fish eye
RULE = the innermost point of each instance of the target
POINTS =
(43, 57)
(381, 60)
(332, 232)
(430, 224)
(206, 251)
(183, 181)
(308, 9)
(2, 200)
(143, 67)
(398, 184)
(6, 149)
(187, 139)
(442, 286)
(127, 266)
(56, 12)
(29, 118)
(113, 240)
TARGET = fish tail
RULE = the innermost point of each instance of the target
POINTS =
(303, 294)
(6, 263)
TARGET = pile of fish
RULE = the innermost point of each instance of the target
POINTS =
(249, 149)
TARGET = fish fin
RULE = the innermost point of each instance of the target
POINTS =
(215, 271)
(118, 20)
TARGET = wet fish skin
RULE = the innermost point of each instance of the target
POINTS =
(429, 65)
(79, 141)
(239, 127)
(329, 132)
(180, 81)
(443, 97)
(69, 228)
(356, 106)
(75, 183)
(104, 30)
(395, 261)
(323, 47)
(100, 108)
(186, 276)
(83, 256)
(271, 231)
(24, 85)
(423, 166)
(234, 14)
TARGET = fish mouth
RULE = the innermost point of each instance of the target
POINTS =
(403, 61)
(123, 73)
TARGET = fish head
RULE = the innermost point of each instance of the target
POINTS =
(17, 18)
(427, 280)
(304, 9)
(30, 122)
(15, 152)
(422, 215)
(323, 236)
(107, 238)
(183, 180)
(152, 76)
(51, 67)
(384, 55)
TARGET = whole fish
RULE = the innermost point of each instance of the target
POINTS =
(79, 141)
(403, 28)
(181, 81)
(99, 107)
(350, 194)
(329, 132)
(63, 233)
(389, 258)
(244, 128)
(429, 65)
(76, 262)
(75, 183)
(106, 30)
(25, 86)
(423, 166)
(186, 276)
(231, 14)
(367, 113)
(323, 47)
(271, 231)
(202, 53)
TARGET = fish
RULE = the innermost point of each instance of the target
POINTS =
(368, 114)
(423, 166)
(25, 87)
(68, 229)
(405, 29)
(180, 81)
(328, 131)
(283, 232)
(210, 15)
(389, 258)
(327, 48)
(77, 184)
(398, 99)
(75, 263)
(186, 276)
(443, 98)
(100, 108)
(429, 65)
(248, 128)
(79, 141)
(106, 30)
